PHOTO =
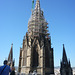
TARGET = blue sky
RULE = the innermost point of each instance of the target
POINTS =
(14, 16)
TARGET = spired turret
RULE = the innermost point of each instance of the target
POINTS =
(36, 52)
(10, 57)
(64, 59)
(65, 68)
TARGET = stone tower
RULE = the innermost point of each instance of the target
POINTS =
(36, 52)
(65, 68)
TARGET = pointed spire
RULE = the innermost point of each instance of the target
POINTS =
(64, 55)
(65, 68)
(37, 25)
(10, 57)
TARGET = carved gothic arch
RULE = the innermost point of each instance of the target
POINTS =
(35, 53)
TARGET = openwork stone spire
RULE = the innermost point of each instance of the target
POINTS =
(37, 24)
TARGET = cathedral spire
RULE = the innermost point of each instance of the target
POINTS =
(10, 57)
(37, 25)
(36, 49)
(64, 55)
(65, 68)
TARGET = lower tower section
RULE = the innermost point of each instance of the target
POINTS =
(36, 54)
